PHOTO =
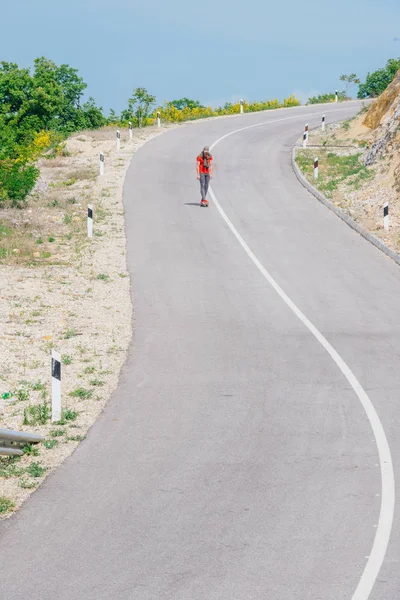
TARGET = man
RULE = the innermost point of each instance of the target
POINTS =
(204, 173)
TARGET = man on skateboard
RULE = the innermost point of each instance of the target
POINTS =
(204, 173)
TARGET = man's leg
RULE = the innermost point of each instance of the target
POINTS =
(206, 184)
(203, 190)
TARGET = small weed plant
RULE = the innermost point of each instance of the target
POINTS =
(6, 505)
(37, 414)
(35, 470)
(81, 393)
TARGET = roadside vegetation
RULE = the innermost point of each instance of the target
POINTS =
(334, 170)
(358, 160)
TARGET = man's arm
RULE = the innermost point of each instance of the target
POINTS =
(198, 168)
(211, 170)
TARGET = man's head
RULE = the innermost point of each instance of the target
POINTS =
(206, 151)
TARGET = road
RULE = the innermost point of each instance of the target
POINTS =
(234, 461)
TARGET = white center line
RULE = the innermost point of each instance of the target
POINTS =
(384, 528)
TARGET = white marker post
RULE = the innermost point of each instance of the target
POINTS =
(336, 96)
(323, 122)
(130, 130)
(118, 140)
(90, 221)
(304, 140)
(386, 216)
(55, 386)
(101, 163)
(158, 119)
(241, 106)
(306, 131)
(316, 168)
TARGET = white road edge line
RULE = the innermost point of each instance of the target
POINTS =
(385, 523)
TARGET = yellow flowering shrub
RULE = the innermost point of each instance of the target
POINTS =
(41, 142)
(291, 101)
(171, 114)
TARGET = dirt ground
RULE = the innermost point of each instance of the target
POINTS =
(61, 290)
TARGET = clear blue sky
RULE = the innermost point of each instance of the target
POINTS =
(209, 51)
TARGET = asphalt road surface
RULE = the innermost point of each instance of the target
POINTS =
(236, 460)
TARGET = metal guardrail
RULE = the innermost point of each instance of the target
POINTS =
(12, 442)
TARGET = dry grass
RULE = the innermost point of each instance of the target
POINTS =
(53, 163)
(46, 232)
(82, 173)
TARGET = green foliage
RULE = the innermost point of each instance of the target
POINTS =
(189, 110)
(139, 105)
(35, 470)
(76, 438)
(186, 103)
(9, 467)
(27, 485)
(334, 170)
(57, 432)
(38, 386)
(81, 393)
(49, 444)
(22, 394)
(67, 415)
(378, 81)
(31, 450)
(5, 505)
(16, 181)
(326, 98)
(349, 81)
(38, 414)
(70, 415)
(48, 99)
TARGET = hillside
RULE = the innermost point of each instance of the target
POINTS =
(360, 164)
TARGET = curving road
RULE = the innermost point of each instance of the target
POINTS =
(235, 461)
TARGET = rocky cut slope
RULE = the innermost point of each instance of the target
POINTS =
(383, 119)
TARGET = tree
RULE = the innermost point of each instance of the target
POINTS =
(113, 118)
(93, 115)
(138, 106)
(15, 88)
(71, 84)
(378, 81)
(33, 106)
(186, 103)
(47, 100)
(349, 81)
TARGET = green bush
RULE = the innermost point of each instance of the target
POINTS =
(378, 81)
(17, 180)
(38, 109)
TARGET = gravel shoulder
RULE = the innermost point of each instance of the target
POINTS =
(61, 290)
